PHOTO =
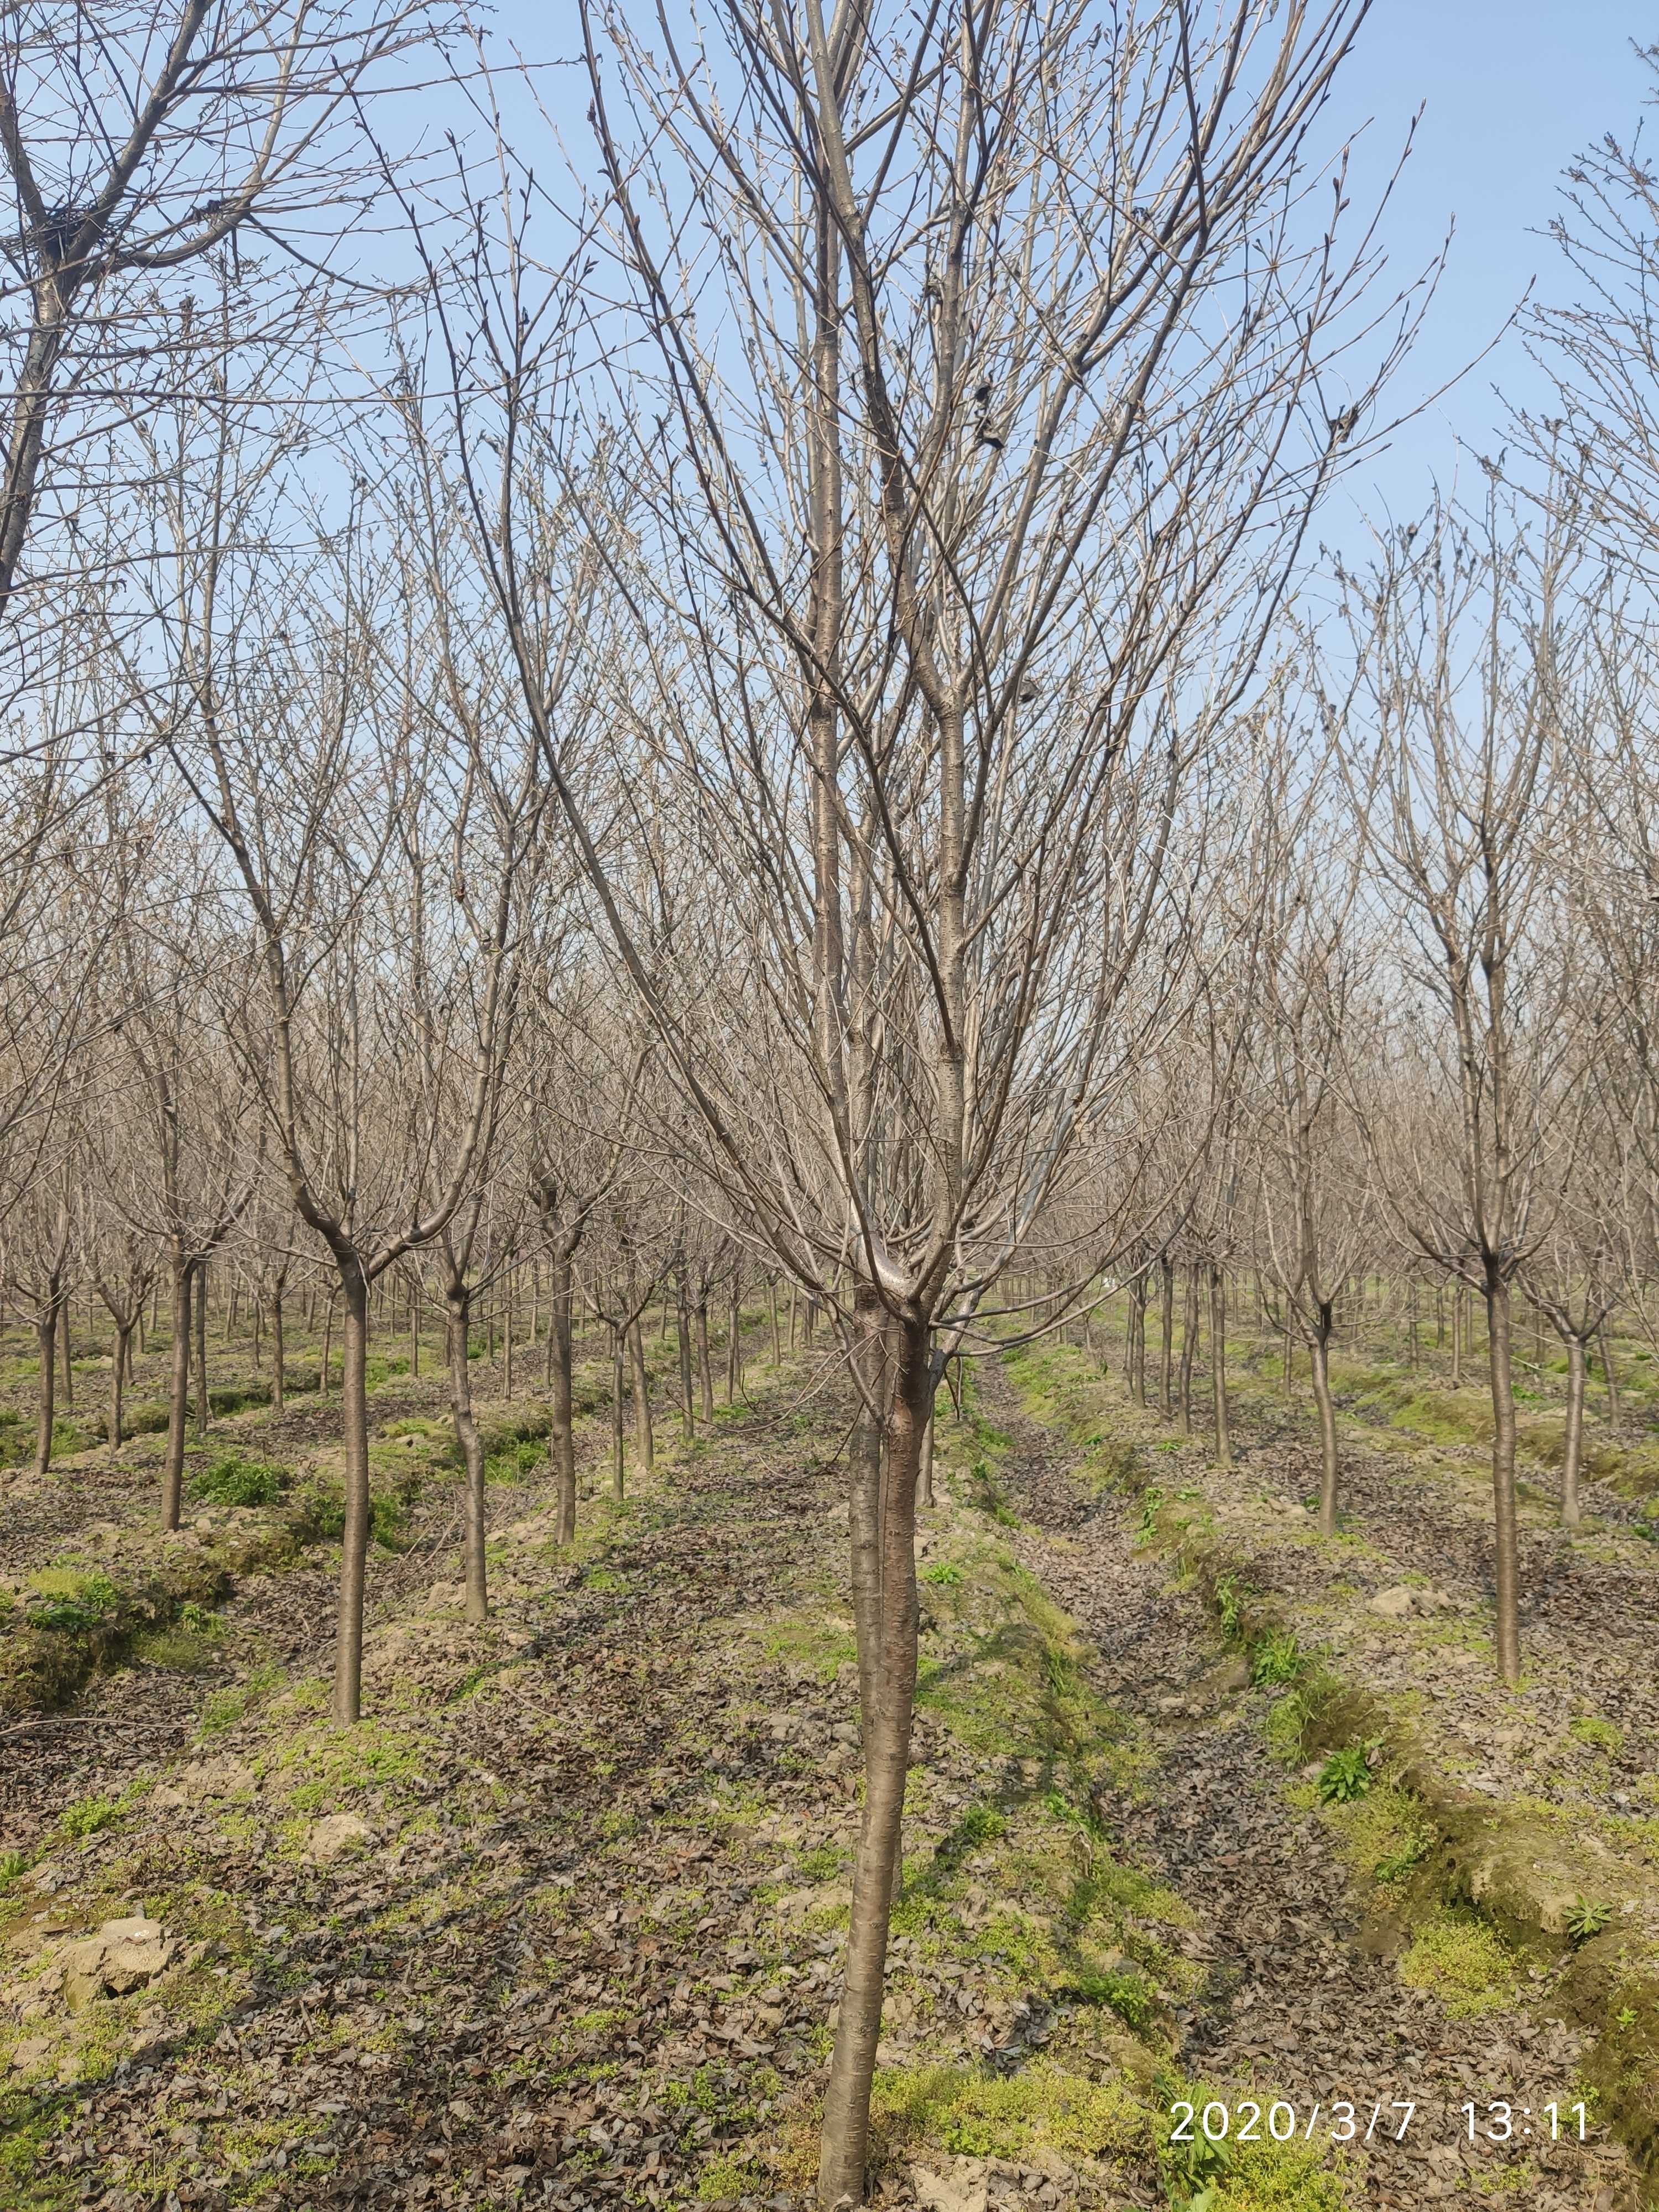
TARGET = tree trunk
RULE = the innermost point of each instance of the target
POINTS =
(705, 1365)
(507, 1337)
(328, 1332)
(1457, 1338)
(617, 1467)
(1505, 1542)
(46, 1331)
(883, 1527)
(925, 1477)
(1319, 1367)
(64, 1345)
(1609, 1375)
(734, 1340)
(414, 1331)
(1166, 1268)
(118, 1385)
(683, 1332)
(354, 1544)
(172, 1465)
(772, 1302)
(459, 1323)
(1573, 1444)
(1224, 1433)
(1138, 1340)
(644, 1440)
(561, 1435)
(200, 1423)
(277, 1350)
(1188, 1347)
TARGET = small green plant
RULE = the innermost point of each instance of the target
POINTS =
(71, 1602)
(1626, 2016)
(1598, 1734)
(822, 1863)
(320, 1516)
(12, 1863)
(1277, 1661)
(1128, 1994)
(1400, 1863)
(1346, 1775)
(942, 1571)
(1151, 1502)
(320, 1513)
(1192, 2171)
(1229, 1608)
(89, 1815)
(234, 1481)
(979, 1825)
(1587, 1918)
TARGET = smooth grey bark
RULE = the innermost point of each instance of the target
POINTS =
(705, 1363)
(1505, 1538)
(683, 1334)
(172, 1465)
(457, 1315)
(1224, 1433)
(118, 1381)
(644, 1435)
(882, 1516)
(618, 1473)
(46, 1330)
(561, 1435)
(1166, 1269)
(200, 1420)
(1573, 1442)
(1188, 1350)
(1329, 1463)
(354, 1544)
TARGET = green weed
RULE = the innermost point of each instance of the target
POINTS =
(1277, 1661)
(90, 1816)
(1462, 1962)
(234, 1481)
(72, 1599)
(1587, 1917)
(1345, 1776)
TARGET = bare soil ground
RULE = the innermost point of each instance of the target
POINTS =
(561, 1922)
(1293, 1992)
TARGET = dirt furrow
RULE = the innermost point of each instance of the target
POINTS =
(1298, 1994)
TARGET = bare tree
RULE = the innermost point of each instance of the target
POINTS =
(1313, 1212)
(1464, 662)
(135, 143)
(937, 579)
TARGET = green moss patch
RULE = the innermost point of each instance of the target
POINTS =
(974, 2111)
(1462, 1961)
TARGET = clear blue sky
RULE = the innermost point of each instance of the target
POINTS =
(1514, 88)
(1511, 89)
